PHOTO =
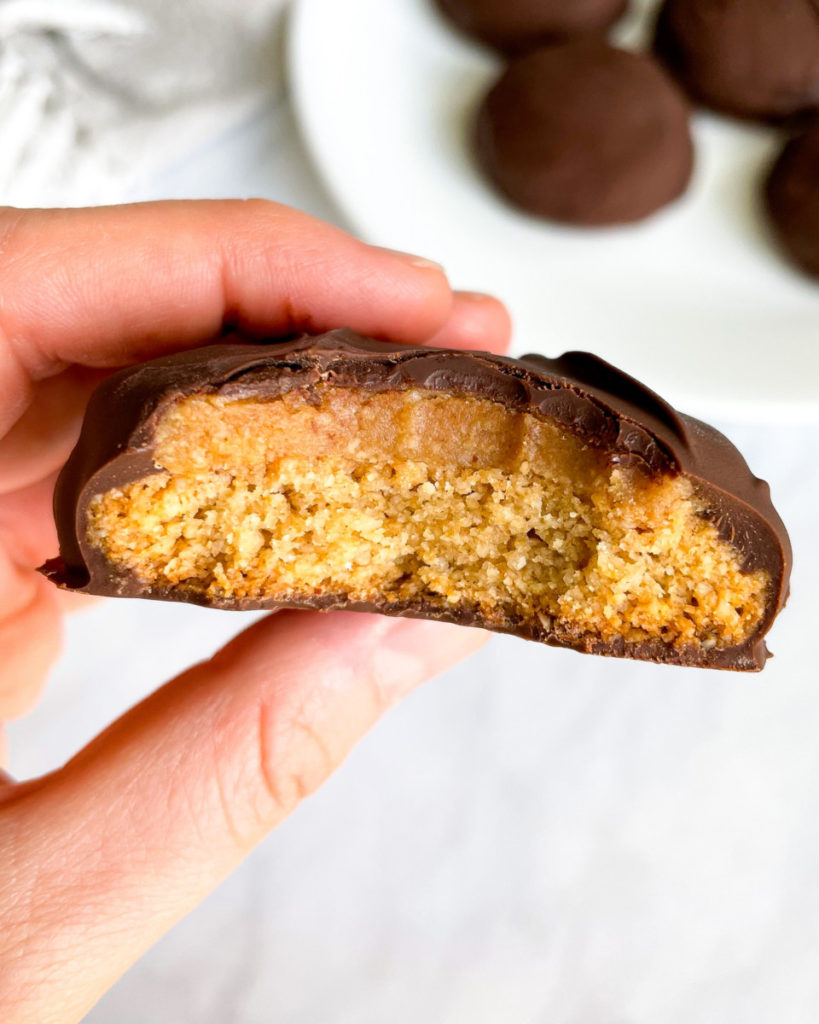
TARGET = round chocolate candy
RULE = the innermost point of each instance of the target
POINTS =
(516, 25)
(750, 58)
(792, 199)
(586, 134)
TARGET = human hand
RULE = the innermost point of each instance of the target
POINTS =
(100, 858)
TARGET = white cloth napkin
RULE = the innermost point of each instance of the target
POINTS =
(96, 94)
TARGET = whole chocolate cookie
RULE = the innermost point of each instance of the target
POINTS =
(749, 58)
(586, 134)
(516, 25)
(792, 199)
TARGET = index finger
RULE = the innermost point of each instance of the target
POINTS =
(115, 285)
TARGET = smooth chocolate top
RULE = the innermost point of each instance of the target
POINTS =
(792, 199)
(606, 409)
(586, 133)
(516, 25)
(750, 58)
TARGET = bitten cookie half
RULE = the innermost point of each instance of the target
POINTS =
(558, 500)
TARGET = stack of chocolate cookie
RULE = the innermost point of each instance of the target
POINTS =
(582, 132)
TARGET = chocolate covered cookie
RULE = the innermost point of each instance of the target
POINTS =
(792, 199)
(586, 134)
(558, 500)
(516, 25)
(749, 58)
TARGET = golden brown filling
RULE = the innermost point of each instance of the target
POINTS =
(416, 497)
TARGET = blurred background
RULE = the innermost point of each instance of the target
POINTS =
(537, 837)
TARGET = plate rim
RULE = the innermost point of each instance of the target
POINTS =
(300, 17)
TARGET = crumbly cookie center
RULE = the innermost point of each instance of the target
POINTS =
(418, 498)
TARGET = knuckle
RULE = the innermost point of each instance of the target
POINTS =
(293, 757)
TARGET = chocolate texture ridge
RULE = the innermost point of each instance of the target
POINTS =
(606, 410)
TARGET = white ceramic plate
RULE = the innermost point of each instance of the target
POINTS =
(696, 301)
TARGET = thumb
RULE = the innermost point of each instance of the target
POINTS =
(109, 852)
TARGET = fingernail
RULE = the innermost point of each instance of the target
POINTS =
(476, 296)
(420, 262)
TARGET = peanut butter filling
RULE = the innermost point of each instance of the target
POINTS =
(415, 497)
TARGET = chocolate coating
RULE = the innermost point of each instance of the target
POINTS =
(586, 134)
(750, 58)
(595, 402)
(792, 199)
(513, 26)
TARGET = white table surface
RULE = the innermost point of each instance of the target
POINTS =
(536, 838)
